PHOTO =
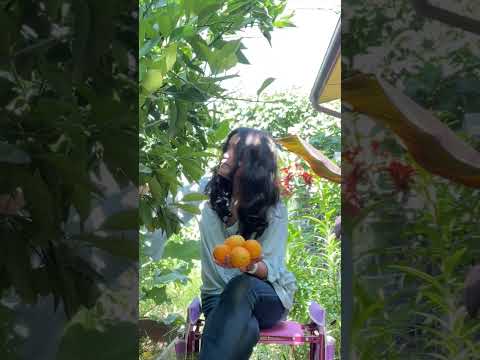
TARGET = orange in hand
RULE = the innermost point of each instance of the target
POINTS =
(240, 257)
(220, 252)
(234, 241)
(254, 248)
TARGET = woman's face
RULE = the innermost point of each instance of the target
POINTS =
(228, 161)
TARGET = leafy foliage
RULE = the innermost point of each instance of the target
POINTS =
(56, 127)
(409, 229)
(66, 72)
(185, 47)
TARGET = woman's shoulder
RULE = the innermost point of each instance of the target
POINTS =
(279, 211)
(206, 210)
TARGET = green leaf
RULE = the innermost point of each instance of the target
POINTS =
(146, 215)
(451, 262)
(144, 169)
(183, 32)
(149, 45)
(170, 56)
(192, 209)
(200, 47)
(172, 118)
(182, 112)
(191, 169)
(242, 59)
(167, 19)
(157, 294)
(267, 36)
(419, 275)
(186, 251)
(116, 245)
(125, 220)
(172, 318)
(201, 8)
(194, 197)
(153, 80)
(171, 277)
(284, 21)
(265, 84)
(156, 189)
(224, 58)
(222, 131)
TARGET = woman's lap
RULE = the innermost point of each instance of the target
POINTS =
(268, 309)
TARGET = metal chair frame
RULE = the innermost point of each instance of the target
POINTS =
(321, 346)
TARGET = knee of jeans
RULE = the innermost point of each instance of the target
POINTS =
(239, 288)
(242, 281)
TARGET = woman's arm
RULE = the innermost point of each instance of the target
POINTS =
(274, 241)
(261, 270)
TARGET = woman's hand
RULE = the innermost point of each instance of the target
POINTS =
(250, 266)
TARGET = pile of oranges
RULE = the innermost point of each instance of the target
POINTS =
(240, 251)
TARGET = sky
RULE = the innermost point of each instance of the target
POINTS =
(296, 53)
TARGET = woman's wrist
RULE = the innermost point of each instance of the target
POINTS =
(257, 269)
(253, 269)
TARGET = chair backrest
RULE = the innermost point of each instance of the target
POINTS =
(194, 311)
(317, 314)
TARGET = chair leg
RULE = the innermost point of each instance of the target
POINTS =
(317, 352)
(191, 341)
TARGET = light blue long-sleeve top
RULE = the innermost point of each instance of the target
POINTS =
(273, 240)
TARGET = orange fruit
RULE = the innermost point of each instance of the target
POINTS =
(239, 257)
(254, 248)
(220, 252)
(234, 241)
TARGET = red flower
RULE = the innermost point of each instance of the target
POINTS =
(352, 179)
(401, 174)
(350, 185)
(350, 155)
(375, 145)
(286, 192)
(287, 189)
(307, 178)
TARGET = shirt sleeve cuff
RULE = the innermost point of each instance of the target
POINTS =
(271, 273)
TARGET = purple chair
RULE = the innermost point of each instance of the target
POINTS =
(321, 346)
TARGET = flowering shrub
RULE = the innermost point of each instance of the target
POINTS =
(292, 176)
(366, 168)
(409, 232)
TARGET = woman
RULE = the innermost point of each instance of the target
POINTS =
(244, 199)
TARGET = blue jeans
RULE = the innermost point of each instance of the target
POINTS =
(234, 318)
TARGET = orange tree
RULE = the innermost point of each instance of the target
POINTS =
(186, 49)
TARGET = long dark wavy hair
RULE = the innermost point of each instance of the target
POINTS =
(254, 176)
